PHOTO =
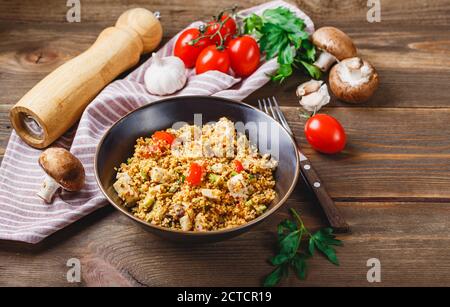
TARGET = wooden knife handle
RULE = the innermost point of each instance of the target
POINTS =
(336, 220)
(52, 106)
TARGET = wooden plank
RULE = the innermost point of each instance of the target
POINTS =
(393, 54)
(113, 250)
(389, 153)
(32, 50)
(347, 12)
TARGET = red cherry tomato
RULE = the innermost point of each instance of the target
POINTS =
(186, 52)
(164, 136)
(212, 58)
(244, 55)
(325, 134)
(195, 174)
(238, 166)
(227, 31)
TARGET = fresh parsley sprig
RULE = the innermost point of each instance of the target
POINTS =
(291, 234)
(281, 34)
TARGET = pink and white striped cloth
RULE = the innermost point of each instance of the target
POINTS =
(24, 216)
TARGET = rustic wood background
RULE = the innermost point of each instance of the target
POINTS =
(392, 182)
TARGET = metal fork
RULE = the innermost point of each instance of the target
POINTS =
(336, 220)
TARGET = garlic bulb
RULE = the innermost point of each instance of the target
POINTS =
(165, 75)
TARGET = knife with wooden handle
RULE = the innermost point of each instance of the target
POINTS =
(334, 217)
(51, 107)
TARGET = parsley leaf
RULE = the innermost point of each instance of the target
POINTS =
(312, 70)
(273, 40)
(281, 34)
(323, 240)
(283, 72)
(274, 278)
(286, 55)
(279, 259)
(284, 18)
(291, 252)
(252, 24)
(298, 38)
(299, 265)
(310, 51)
(290, 243)
(285, 226)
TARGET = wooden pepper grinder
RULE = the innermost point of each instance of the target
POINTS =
(51, 107)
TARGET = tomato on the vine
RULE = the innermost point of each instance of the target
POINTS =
(185, 50)
(244, 55)
(227, 31)
(325, 134)
(212, 58)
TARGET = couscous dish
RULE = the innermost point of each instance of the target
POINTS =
(197, 178)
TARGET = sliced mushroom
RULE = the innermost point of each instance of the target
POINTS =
(313, 95)
(353, 80)
(334, 45)
(63, 169)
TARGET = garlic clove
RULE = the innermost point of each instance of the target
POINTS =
(308, 87)
(156, 59)
(312, 102)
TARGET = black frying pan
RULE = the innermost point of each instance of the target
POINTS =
(118, 143)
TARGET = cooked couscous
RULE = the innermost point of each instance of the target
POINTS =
(197, 178)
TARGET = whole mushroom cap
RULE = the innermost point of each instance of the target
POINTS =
(335, 42)
(353, 93)
(63, 167)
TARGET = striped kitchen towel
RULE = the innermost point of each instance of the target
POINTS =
(24, 216)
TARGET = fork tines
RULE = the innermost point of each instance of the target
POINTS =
(272, 108)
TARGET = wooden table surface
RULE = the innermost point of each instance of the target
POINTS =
(392, 183)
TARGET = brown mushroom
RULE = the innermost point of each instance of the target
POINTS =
(334, 45)
(63, 170)
(353, 80)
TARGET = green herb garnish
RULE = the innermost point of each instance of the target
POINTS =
(291, 234)
(281, 34)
